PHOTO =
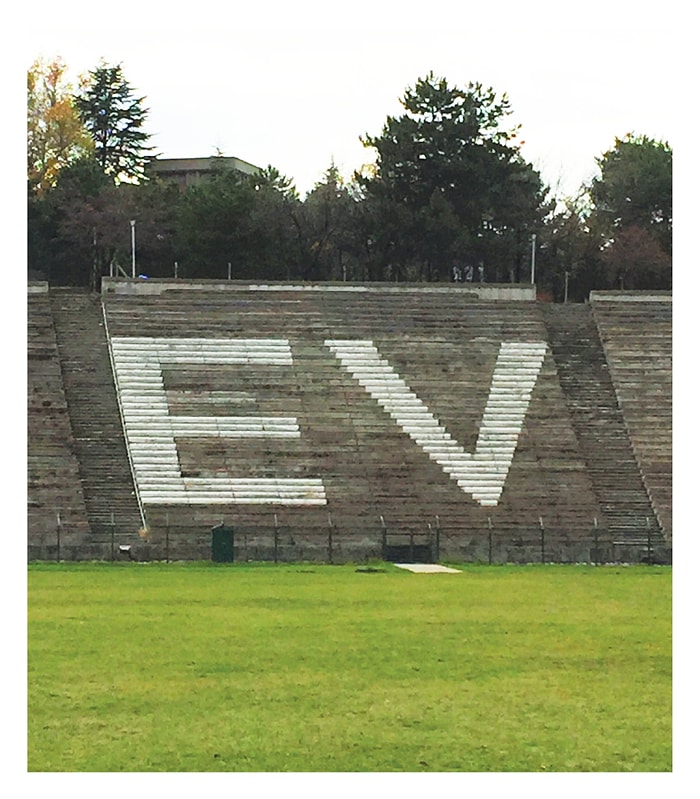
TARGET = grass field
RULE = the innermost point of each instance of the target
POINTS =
(305, 668)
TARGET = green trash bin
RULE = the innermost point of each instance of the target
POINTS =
(222, 544)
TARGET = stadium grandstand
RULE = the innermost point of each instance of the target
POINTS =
(348, 422)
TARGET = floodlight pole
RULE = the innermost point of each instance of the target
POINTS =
(132, 222)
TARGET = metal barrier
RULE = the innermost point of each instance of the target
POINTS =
(335, 544)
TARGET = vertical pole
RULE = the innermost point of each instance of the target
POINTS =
(532, 264)
(648, 542)
(94, 255)
(490, 542)
(133, 247)
(229, 270)
(330, 539)
(112, 532)
(437, 539)
(58, 536)
(276, 538)
(381, 519)
(542, 539)
(175, 270)
(167, 538)
(595, 540)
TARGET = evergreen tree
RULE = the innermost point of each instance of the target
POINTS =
(114, 118)
(249, 221)
(451, 191)
(331, 236)
(634, 188)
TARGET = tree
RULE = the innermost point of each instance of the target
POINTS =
(245, 220)
(99, 229)
(636, 260)
(81, 229)
(450, 163)
(451, 189)
(634, 188)
(569, 263)
(275, 250)
(330, 231)
(61, 258)
(56, 136)
(114, 118)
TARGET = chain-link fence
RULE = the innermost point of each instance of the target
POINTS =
(334, 544)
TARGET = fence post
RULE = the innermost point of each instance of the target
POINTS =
(490, 542)
(58, 536)
(595, 541)
(330, 539)
(542, 539)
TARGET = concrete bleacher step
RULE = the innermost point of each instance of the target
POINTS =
(94, 414)
(56, 503)
(636, 333)
(598, 420)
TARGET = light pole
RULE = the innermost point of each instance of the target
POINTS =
(532, 265)
(133, 247)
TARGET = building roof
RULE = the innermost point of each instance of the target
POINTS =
(187, 171)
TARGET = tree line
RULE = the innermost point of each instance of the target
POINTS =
(449, 197)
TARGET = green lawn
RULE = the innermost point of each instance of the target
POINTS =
(202, 667)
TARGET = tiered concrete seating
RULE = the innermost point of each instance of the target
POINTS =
(384, 410)
(325, 422)
(482, 474)
(57, 518)
(636, 332)
(151, 430)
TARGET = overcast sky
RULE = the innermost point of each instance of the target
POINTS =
(295, 85)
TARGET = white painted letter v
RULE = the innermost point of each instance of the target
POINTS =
(483, 474)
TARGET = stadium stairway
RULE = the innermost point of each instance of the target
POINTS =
(112, 508)
(584, 374)
(57, 518)
(636, 333)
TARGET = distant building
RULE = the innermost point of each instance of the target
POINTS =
(190, 171)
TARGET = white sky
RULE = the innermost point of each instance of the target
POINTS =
(295, 85)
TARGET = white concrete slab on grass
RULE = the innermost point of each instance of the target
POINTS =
(427, 568)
